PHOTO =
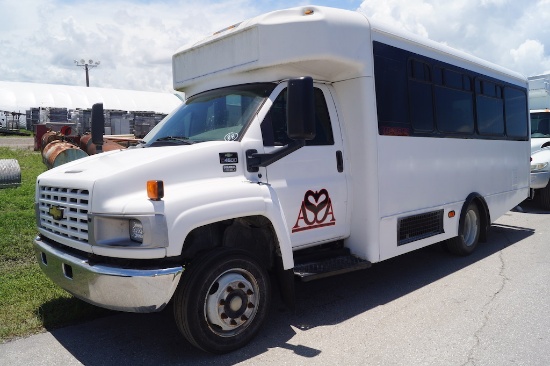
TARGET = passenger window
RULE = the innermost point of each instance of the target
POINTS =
(391, 91)
(453, 79)
(421, 106)
(454, 110)
(466, 83)
(274, 125)
(490, 115)
(420, 97)
(420, 70)
(515, 105)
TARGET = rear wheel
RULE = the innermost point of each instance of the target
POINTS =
(222, 301)
(468, 238)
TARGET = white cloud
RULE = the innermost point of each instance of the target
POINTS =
(530, 55)
(500, 31)
(135, 39)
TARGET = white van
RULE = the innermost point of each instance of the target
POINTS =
(313, 141)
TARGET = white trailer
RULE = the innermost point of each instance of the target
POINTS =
(313, 141)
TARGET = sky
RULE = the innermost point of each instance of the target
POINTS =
(134, 39)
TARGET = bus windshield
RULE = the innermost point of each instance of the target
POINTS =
(217, 115)
(540, 124)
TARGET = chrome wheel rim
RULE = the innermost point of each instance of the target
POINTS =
(471, 228)
(232, 302)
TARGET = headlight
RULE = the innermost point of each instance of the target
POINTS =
(538, 166)
(128, 231)
(136, 231)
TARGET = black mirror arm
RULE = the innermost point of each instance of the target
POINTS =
(255, 160)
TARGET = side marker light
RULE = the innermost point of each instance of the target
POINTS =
(155, 190)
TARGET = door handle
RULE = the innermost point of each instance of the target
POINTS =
(339, 161)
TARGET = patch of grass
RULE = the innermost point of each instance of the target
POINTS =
(17, 219)
(29, 301)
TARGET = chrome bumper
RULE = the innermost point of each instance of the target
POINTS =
(539, 179)
(111, 287)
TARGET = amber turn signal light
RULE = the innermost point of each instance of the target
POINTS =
(155, 189)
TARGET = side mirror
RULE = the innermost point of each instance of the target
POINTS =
(98, 124)
(300, 109)
(300, 116)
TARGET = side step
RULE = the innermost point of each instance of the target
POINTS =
(329, 267)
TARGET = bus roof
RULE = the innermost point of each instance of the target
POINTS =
(327, 44)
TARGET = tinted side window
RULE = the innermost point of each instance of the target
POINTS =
(421, 106)
(425, 97)
(420, 97)
(390, 74)
(490, 117)
(452, 79)
(274, 125)
(515, 106)
(454, 110)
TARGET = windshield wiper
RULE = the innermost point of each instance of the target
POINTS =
(182, 139)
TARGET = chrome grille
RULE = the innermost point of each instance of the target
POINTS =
(71, 205)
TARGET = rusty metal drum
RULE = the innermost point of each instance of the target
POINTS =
(59, 152)
(48, 137)
(87, 145)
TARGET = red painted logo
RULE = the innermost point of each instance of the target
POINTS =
(316, 211)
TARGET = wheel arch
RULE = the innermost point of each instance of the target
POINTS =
(244, 233)
(252, 234)
(201, 218)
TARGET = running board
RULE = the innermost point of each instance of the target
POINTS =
(329, 267)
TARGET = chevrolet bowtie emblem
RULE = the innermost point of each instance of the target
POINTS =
(56, 212)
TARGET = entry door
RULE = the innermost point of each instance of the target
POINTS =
(310, 183)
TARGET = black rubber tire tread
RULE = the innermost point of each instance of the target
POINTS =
(544, 197)
(191, 293)
(457, 245)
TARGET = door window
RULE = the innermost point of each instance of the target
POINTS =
(274, 126)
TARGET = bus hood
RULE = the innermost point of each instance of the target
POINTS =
(124, 172)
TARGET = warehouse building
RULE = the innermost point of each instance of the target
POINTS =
(24, 105)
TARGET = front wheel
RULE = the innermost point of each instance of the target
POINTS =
(222, 300)
(466, 241)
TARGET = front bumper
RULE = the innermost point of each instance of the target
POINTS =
(539, 179)
(108, 286)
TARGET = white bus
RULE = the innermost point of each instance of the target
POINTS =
(313, 141)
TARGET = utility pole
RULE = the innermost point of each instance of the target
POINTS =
(87, 65)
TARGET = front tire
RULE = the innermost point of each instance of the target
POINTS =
(466, 241)
(222, 300)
